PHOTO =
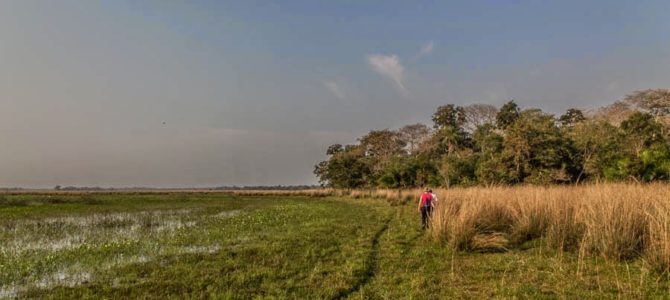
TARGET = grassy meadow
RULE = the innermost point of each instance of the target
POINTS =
(601, 241)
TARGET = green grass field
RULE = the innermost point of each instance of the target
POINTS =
(220, 246)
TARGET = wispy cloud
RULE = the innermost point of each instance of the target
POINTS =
(426, 49)
(390, 67)
(335, 88)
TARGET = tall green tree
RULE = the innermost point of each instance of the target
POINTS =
(536, 151)
(404, 172)
(646, 152)
(380, 147)
(598, 144)
(488, 145)
(641, 131)
(507, 115)
(571, 117)
(346, 167)
(449, 115)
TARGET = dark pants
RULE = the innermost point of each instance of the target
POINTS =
(425, 215)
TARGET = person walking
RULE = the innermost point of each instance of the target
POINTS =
(426, 202)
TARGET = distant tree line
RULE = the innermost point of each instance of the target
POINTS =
(227, 188)
(481, 144)
(267, 187)
(81, 188)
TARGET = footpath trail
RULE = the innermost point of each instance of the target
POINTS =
(406, 261)
(370, 267)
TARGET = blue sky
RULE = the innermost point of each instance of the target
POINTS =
(251, 92)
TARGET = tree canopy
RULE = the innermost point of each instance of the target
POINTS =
(481, 145)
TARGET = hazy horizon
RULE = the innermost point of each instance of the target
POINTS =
(213, 93)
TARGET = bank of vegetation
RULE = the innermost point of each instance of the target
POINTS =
(483, 145)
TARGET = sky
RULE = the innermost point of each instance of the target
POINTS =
(167, 93)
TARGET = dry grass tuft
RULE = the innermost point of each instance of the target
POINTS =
(615, 221)
(657, 244)
(493, 242)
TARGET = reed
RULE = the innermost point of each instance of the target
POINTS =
(615, 221)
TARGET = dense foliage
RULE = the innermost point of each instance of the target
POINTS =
(482, 145)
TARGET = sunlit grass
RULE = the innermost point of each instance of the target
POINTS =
(229, 246)
(615, 221)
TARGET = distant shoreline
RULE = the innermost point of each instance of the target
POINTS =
(98, 190)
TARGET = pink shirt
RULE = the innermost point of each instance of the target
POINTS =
(426, 199)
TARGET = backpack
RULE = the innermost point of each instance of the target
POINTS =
(426, 199)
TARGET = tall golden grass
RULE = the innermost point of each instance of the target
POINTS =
(615, 221)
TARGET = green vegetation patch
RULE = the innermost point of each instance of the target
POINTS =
(200, 246)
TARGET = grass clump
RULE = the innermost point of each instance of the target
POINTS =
(614, 221)
(12, 201)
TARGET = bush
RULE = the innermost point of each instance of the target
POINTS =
(11, 201)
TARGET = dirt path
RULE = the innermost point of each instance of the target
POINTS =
(371, 264)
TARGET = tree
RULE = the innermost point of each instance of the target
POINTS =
(479, 114)
(334, 149)
(486, 140)
(449, 116)
(643, 153)
(451, 139)
(536, 151)
(413, 135)
(571, 117)
(615, 113)
(493, 170)
(404, 172)
(345, 169)
(654, 101)
(323, 173)
(508, 113)
(597, 142)
(382, 143)
(489, 167)
(458, 168)
(641, 131)
(655, 163)
(380, 146)
(449, 135)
